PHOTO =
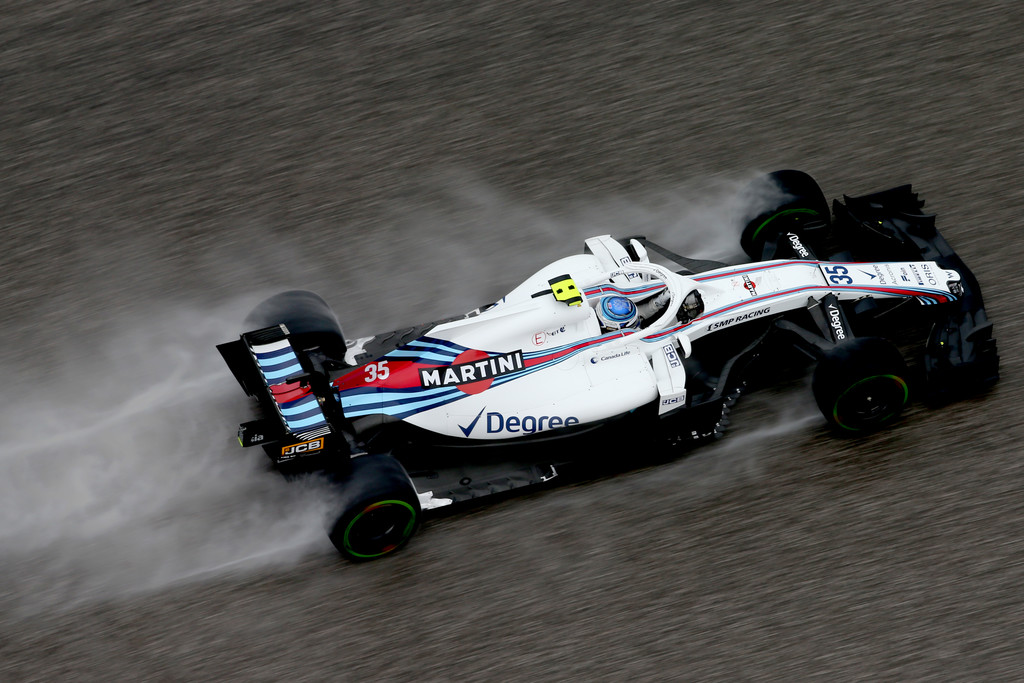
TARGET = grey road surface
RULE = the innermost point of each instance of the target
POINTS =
(164, 165)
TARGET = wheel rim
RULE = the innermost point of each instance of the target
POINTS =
(870, 402)
(379, 528)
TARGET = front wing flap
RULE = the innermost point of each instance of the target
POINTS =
(961, 355)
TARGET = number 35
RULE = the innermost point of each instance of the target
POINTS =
(837, 276)
(378, 370)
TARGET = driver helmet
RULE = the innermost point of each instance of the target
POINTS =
(617, 312)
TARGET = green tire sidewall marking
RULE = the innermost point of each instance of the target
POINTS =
(405, 532)
(787, 212)
(835, 406)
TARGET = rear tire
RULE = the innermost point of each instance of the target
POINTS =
(801, 202)
(861, 385)
(378, 510)
(309, 319)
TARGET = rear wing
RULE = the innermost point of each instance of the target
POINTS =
(289, 390)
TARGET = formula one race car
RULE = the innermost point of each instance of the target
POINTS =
(608, 347)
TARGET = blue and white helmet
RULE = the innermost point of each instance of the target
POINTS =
(617, 312)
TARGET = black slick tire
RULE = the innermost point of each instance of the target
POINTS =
(377, 510)
(800, 202)
(861, 385)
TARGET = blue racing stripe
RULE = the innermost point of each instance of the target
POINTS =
(272, 356)
(314, 421)
(273, 367)
(278, 374)
(375, 397)
(300, 407)
(436, 344)
(405, 408)
(423, 356)
(314, 411)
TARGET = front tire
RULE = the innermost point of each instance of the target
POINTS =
(861, 385)
(800, 204)
(378, 510)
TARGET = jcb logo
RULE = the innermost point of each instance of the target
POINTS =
(303, 448)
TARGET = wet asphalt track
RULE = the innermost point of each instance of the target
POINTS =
(164, 164)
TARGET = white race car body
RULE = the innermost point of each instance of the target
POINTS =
(531, 362)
